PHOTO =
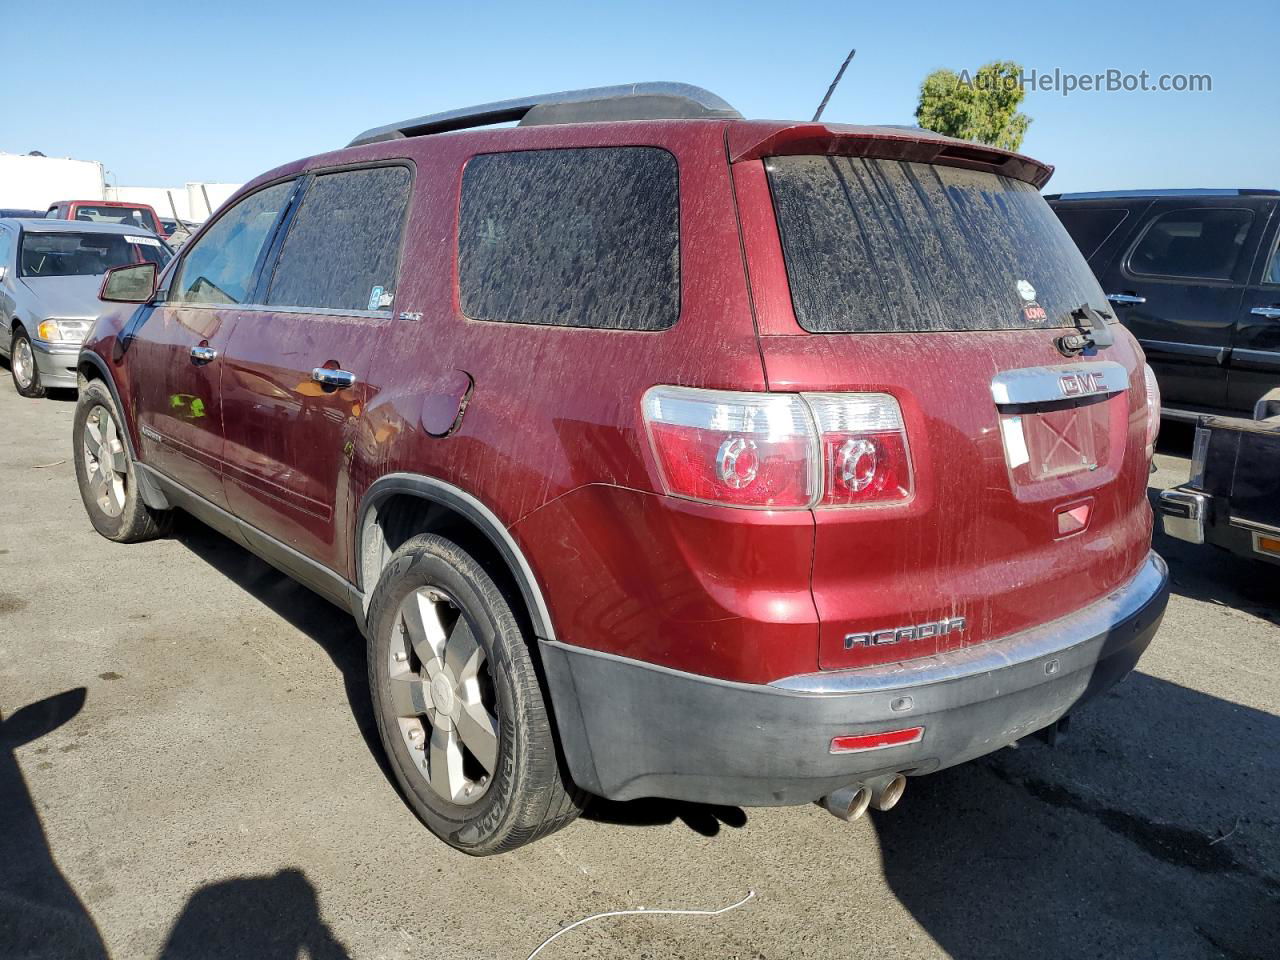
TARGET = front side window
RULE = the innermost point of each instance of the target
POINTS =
(343, 246)
(86, 254)
(887, 246)
(221, 267)
(1203, 243)
(575, 237)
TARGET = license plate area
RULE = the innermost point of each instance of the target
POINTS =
(1062, 422)
(1058, 440)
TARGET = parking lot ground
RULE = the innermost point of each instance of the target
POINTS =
(188, 768)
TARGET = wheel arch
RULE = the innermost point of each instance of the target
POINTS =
(401, 505)
(90, 366)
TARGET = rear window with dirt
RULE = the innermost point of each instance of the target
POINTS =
(883, 246)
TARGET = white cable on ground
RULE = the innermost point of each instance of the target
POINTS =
(641, 910)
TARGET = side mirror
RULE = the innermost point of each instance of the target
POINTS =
(132, 283)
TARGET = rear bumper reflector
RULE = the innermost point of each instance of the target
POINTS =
(877, 741)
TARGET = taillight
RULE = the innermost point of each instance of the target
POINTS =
(1153, 409)
(744, 449)
(779, 450)
(864, 448)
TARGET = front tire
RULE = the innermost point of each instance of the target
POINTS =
(105, 472)
(459, 706)
(22, 365)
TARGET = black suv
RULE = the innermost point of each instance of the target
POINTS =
(1195, 274)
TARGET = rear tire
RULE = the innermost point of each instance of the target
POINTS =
(459, 706)
(105, 472)
(22, 365)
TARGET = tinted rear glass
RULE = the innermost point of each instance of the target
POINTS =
(86, 254)
(1090, 228)
(128, 216)
(576, 237)
(887, 246)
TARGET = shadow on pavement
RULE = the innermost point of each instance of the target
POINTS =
(273, 917)
(40, 914)
(264, 917)
(1150, 832)
(332, 628)
(702, 818)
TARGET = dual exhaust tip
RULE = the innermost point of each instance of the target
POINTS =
(851, 802)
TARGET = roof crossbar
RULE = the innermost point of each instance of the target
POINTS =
(631, 101)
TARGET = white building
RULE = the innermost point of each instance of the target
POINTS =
(193, 202)
(33, 183)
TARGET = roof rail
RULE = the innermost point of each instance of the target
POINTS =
(631, 101)
(1193, 192)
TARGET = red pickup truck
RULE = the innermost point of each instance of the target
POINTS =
(108, 211)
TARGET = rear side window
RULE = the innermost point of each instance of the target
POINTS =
(1203, 243)
(221, 267)
(577, 237)
(343, 247)
(885, 246)
(1090, 228)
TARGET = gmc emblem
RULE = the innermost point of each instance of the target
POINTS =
(921, 631)
(1081, 384)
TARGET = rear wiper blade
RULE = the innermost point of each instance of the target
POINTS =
(1094, 333)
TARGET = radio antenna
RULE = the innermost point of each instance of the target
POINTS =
(832, 89)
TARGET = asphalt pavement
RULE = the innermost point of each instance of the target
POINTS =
(189, 768)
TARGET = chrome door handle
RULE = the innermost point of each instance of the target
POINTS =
(201, 355)
(1125, 299)
(333, 378)
(1271, 313)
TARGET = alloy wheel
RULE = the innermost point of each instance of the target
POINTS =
(24, 363)
(105, 461)
(443, 697)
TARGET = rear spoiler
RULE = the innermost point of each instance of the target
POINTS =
(747, 142)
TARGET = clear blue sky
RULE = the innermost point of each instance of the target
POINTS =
(166, 93)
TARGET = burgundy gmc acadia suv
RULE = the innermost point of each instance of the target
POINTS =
(658, 452)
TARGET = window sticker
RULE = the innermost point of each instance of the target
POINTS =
(143, 241)
(1034, 313)
(375, 298)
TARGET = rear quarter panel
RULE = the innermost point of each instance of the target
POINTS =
(552, 439)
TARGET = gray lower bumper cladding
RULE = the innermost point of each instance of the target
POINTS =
(631, 729)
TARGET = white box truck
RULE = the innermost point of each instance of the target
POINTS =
(33, 183)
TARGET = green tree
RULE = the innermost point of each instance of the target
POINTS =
(981, 106)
